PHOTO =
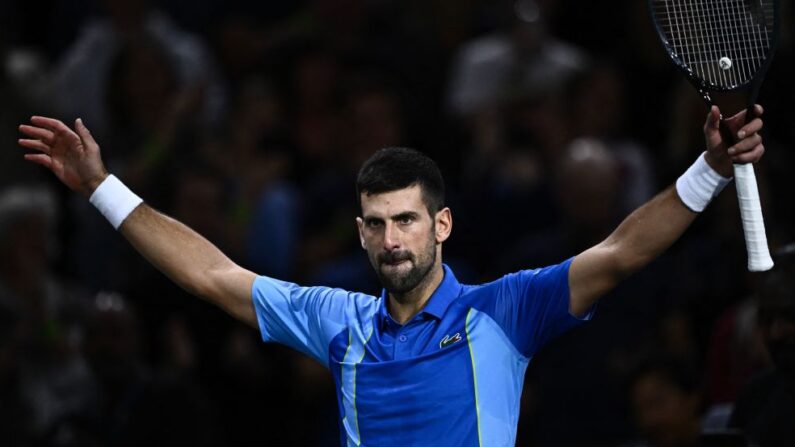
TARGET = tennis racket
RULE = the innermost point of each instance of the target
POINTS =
(725, 46)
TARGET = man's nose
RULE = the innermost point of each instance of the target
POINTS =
(391, 239)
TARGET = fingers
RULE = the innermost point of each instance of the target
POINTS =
(713, 119)
(40, 159)
(747, 150)
(751, 128)
(52, 134)
(739, 117)
(58, 129)
(745, 144)
(38, 133)
(51, 124)
(84, 133)
(35, 145)
(750, 156)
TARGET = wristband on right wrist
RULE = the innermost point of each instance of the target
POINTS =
(114, 200)
(700, 184)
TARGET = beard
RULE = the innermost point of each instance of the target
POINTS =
(400, 281)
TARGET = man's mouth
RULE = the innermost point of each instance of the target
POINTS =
(394, 259)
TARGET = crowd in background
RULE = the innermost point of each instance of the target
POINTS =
(550, 119)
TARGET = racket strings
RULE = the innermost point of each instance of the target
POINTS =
(723, 42)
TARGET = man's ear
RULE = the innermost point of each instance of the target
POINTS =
(360, 227)
(444, 224)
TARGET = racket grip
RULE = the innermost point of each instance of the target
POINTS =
(759, 259)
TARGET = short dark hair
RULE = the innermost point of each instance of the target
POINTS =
(394, 168)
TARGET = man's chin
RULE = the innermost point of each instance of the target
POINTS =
(395, 278)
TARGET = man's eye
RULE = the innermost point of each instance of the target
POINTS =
(373, 223)
(406, 220)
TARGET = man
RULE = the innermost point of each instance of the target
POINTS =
(432, 361)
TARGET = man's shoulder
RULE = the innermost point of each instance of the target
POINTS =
(550, 272)
(494, 287)
(266, 285)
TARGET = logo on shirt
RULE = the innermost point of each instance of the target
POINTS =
(448, 340)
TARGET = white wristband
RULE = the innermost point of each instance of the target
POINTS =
(700, 184)
(114, 200)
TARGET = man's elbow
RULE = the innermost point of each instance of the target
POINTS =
(229, 288)
(623, 261)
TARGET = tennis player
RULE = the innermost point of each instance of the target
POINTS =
(431, 361)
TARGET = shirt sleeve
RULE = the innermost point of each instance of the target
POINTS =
(532, 306)
(304, 318)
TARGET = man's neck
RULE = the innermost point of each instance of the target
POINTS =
(405, 306)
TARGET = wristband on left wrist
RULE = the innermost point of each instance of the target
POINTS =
(700, 184)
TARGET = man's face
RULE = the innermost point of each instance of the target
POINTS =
(401, 237)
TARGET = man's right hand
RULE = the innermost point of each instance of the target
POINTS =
(73, 157)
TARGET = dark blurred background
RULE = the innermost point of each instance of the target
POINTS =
(551, 121)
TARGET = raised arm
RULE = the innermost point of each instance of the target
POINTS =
(183, 255)
(656, 225)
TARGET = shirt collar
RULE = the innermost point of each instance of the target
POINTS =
(440, 299)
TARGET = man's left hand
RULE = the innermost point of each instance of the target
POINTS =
(738, 142)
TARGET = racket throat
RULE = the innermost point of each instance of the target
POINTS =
(705, 97)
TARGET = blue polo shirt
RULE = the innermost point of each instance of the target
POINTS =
(451, 376)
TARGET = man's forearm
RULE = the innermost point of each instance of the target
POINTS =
(649, 231)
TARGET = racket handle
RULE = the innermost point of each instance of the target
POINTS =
(759, 259)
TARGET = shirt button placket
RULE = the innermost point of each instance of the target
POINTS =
(402, 347)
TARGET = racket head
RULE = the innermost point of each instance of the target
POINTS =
(720, 45)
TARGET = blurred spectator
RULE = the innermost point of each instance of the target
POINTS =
(666, 402)
(510, 171)
(587, 191)
(597, 99)
(83, 76)
(247, 35)
(132, 404)
(526, 58)
(735, 354)
(20, 70)
(765, 407)
(53, 378)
